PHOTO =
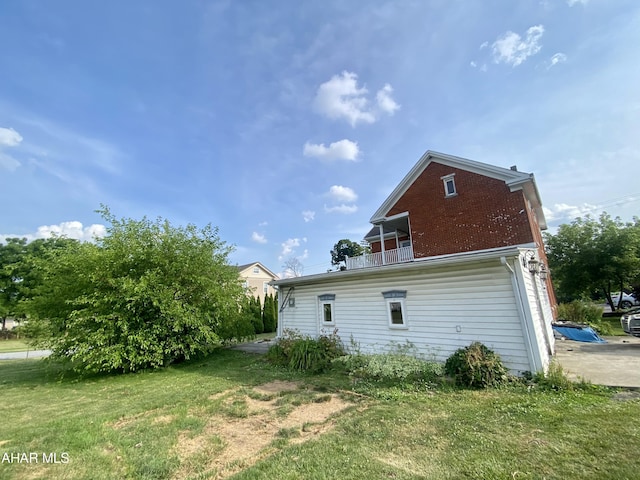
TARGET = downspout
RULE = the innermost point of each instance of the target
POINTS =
(523, 318)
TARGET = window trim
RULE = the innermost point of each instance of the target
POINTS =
(396, 296)
(403, 313)
(323, 300)
(256, 270)
(265, 287)
(446, 180)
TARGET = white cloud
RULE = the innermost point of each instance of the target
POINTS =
(342, 194)
(263, 224)
(562, 211)
(512, 49)
(571, 3)
(308, 215)
(473, 64)
(557, 58)
(484, 45)
(340, 150)
(340, 97)
(288, 247)
(8, 162)
(73, 229)
(346, 209)
(385, 102)
(9, 137)
(256, 237)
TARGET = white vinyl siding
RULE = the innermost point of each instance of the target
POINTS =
(446, 308)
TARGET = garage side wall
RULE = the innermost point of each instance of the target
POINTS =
(446, 308)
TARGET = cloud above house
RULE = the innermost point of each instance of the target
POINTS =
(562, 212)
(308, 216)
(258, 238)
(512, 49)
(385, 102)
(342, 208)
(340, 150)
(341, 200)
(339, 193)
(9, 138)
(288, 247)
(556, 58)
(73, 229)
(342, 98)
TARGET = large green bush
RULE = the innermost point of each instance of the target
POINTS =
(146, 295)
(584, 313)
(476, 366)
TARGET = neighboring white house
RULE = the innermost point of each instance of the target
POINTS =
(498, 295)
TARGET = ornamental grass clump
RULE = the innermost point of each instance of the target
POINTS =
(306, 354)
(476, 366)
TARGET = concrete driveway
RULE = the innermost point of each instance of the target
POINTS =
(26, 354)
(615, 363)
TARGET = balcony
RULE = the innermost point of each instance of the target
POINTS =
(397, 255)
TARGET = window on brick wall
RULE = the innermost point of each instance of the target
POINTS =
(449, 185)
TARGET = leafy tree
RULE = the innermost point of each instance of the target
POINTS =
(18, 278)
(146, 295)
(11, 260)
(346, 248)
(591, 255)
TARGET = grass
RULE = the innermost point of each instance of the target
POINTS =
(13, 346)
(170, 424)
(616, 328)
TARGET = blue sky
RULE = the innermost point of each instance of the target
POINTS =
(287, 124)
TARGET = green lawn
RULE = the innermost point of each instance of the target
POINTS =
(13, 346)
(212, 419)
(615, 325)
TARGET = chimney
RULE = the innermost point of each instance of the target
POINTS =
(514, 168)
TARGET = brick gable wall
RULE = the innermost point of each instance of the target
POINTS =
(484, 213)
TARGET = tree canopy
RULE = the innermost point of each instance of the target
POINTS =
(592, 255)
(346, 248)
(146, 295)
(18, 278)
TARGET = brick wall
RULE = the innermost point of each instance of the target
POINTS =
(389, 244)
(484, 213)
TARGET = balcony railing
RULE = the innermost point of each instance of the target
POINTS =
(397, 255)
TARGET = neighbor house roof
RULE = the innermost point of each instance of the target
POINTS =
(246, 266)
(514, 179)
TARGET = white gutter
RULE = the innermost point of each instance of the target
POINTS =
(426, 262)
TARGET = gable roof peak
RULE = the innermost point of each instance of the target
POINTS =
(511, 176)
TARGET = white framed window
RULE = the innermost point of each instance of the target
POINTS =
(396, 309)
(265, 287)
(256, 269)
(449, 185)
(405, 243)
(245, 284)
(326, 309)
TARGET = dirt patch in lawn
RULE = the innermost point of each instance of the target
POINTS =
(275, 411)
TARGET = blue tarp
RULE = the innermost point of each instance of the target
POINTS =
(579, 334)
